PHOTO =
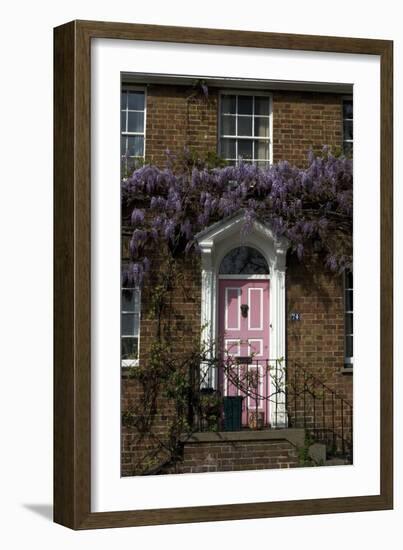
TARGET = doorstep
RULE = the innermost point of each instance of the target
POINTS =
(295, 436)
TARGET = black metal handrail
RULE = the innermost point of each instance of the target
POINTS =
(320, 410)
(265, 386)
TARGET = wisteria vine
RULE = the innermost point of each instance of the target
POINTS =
(312, 207)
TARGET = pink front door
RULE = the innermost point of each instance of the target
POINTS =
(244, 337)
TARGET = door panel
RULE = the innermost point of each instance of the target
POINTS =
(255, 301)
(232, 308)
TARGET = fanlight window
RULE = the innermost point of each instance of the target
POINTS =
(244, 260)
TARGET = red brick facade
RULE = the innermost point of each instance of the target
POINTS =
(305, 120)
(235, 456)
(177, 117)
(317, 340)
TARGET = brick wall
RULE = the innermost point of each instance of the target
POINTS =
(179, 116)
(143, 452)
(139, 452)
(182, 328)
(305, 120)
(236, 456)
(315, 346)
(317, 340)
(182, 317)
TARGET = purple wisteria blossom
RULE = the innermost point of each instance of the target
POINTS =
(312, 207)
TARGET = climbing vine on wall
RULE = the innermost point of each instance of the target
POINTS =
(312, 207)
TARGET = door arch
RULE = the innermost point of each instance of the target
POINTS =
(243, 260)
(216, 242)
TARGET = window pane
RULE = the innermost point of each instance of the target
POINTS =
(228, 104)
(129, 348)
(349, 300)
(228, 148)
(245, 148)
(136, 146)
(130, 299)
(262, 105)
(134, 164)
(123, 121)
(244, 260)
(348, 148)
(123, 145)
(136, 101)
(262, 127)
(262, 164)
(228, 125)
(349, 346)
(123, 100)
(135, 122)
(349, 323)
(348, 129)
(262, 150)
(348, 109)
(244, 126)
(130, 324)
(245, 104)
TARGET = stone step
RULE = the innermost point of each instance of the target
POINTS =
(317, 453)
(336, 462)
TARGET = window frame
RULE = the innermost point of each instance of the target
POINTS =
(343, 99)
(253, 93)
(348, 360)
(134, 87)
(130, 362)
(250, 250)
(126, 87)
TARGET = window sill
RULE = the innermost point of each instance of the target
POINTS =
(127, 366)
(347, 369)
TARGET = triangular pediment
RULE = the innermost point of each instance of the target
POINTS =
(231, 225)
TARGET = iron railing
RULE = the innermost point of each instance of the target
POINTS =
(325, 415)
(274, 394)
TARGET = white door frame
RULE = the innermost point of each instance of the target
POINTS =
(215, 242)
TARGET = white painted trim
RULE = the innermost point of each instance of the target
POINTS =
(215, 242)
(246, 277)
(124, 86)
(131, 362)
(348, 359)
(109, 491)
(260, 327)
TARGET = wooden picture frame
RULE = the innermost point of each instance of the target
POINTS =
(72, 270)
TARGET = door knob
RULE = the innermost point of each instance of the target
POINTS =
(244, 310)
